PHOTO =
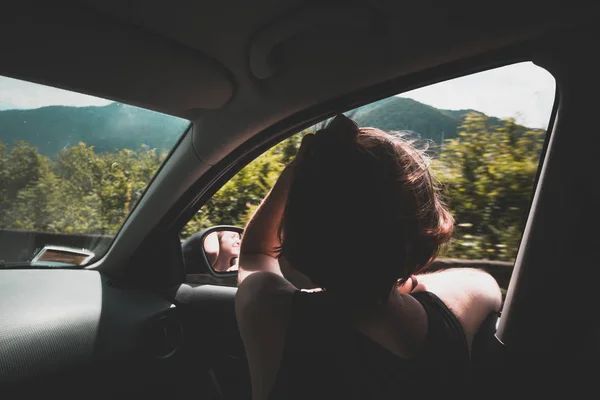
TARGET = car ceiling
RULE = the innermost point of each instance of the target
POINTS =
(192, 58)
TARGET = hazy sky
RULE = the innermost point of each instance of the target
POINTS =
(16, 94)
(523, 91)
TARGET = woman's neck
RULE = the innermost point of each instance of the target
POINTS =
(222, 264)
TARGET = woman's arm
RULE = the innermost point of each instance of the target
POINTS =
(260, 240)
(262, 301)
(471, 294)
(211, 247)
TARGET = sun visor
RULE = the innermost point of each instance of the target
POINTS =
(321, 21)
(81, 50)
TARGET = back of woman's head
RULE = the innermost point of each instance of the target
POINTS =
(362, 213)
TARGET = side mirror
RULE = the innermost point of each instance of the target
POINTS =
(214, 250)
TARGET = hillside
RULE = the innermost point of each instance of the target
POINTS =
(404, 114)
(117, 126)
(108, 128)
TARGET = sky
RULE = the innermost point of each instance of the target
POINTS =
(523, 91)
(17, 94)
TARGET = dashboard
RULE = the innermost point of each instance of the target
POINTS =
(77, 331)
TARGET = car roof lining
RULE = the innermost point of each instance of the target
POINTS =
(191, 59)
(80, 49)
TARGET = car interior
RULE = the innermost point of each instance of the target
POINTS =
(248, 75)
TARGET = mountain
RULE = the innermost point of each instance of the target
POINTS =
(404, 114)
(108, 128)
(117, 126)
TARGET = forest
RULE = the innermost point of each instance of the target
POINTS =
(487, 172)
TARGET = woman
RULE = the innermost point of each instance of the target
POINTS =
(356, 212)
(223, 249)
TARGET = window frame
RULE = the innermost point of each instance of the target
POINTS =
(220, 173)
(255, 152)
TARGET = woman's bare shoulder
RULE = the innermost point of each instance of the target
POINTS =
(263, 292)
(470, 294)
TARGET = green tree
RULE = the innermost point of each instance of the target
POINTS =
(235, 202)
(489, 173)
(19, 168)
(36, 206)
(230, 204)
(79, 191)
(125, 175)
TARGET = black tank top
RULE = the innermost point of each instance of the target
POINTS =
(325, 358)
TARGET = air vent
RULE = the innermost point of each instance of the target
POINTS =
(164, 337)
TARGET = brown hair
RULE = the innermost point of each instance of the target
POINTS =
(363, 212)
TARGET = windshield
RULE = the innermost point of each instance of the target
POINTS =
(72, 167)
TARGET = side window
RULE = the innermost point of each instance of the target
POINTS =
(485, 133)
(72, 167)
